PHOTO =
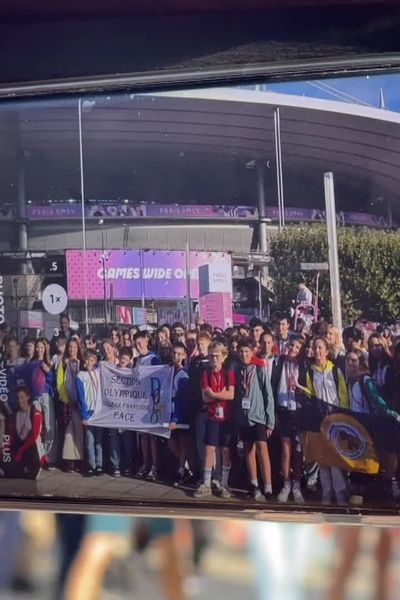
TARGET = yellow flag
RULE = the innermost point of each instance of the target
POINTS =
(343, 443)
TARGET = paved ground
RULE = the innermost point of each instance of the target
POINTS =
(59, 486)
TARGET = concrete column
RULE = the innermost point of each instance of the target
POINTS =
(263, 244)
(21, 210)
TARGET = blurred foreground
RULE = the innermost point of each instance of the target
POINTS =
(131, 558)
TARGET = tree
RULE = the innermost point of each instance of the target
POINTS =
(369, 263)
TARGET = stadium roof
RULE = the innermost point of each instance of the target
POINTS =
(165, 146)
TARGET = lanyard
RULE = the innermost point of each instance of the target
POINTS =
(247, 379)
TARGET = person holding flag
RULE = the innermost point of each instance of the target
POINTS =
(364, 397)
(326, 382)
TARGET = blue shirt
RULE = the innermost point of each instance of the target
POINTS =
(148, 360)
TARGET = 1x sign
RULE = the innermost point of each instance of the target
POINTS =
(54, 299)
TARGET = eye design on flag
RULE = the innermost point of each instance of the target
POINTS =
(347, 439)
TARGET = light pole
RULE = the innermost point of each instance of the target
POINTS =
(104, 257)
(334, 275)
(83, 215)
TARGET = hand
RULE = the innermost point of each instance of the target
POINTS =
(85, 423)
(172, 426)
(397, 417)
(293, 382)
(269, 432)
(209, 392)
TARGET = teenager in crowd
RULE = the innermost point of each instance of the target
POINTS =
(244, 331)
(393, 381)
(266, 352)
(25, 432)
(353, 338)
(116, 337)
(67, 373)
(379, 362)
(59, 344)
(337, 353)
(218, 390)
(122, 442)
(165, 353)
(233, 352)
(89, 399)
(290, 371)
(66, 330)
(191, 344)
(29, 349)
(109, 351)
(42, 385)
(148, 442)
(178, 333)
(133, 330)
(163, 334)
(179, 425)
(326, 382)
(364, 397)
(126, 339)
(145, 357)
(90, 342)
(13, 357)
(257, 330)
(283, 335)
(198, 411)
(255, 415)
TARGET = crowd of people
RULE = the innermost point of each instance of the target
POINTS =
(234, 399)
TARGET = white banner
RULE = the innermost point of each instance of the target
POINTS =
(137, 399)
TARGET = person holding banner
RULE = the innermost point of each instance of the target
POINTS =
(122, 442)
(89, 400)
(218, 390)
(179, 440)
(67, 374)
(148, 442)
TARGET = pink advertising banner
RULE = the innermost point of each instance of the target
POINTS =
(132, 274)
(216, 309)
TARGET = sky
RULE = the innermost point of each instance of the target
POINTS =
(363, 90)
